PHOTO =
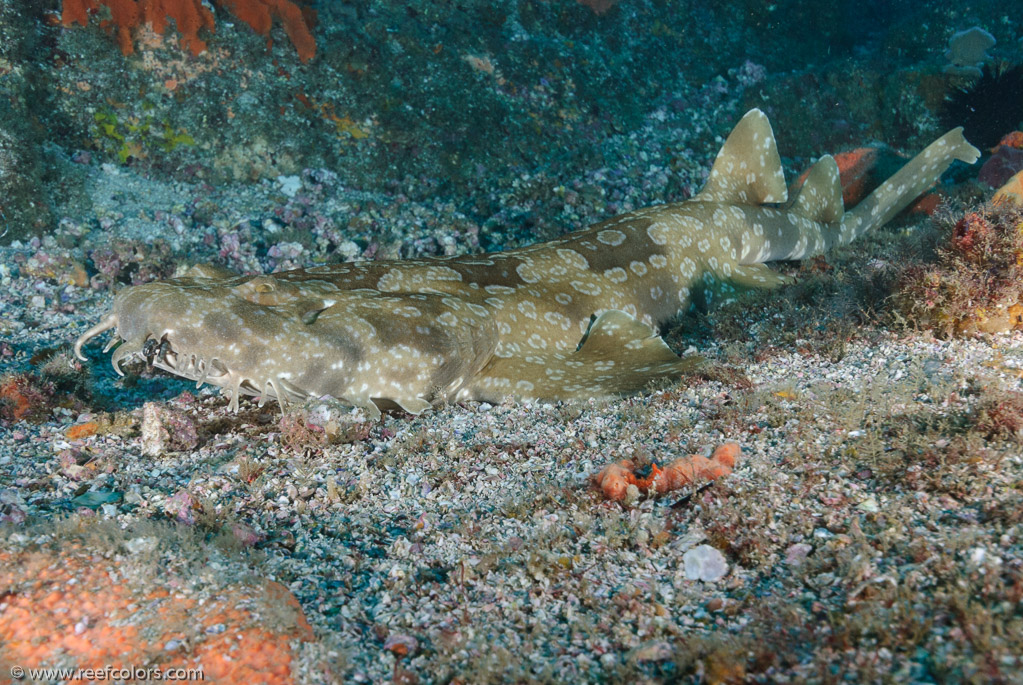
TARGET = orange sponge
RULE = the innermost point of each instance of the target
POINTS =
(615, 479)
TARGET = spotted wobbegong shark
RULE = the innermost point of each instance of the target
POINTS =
(575, 317)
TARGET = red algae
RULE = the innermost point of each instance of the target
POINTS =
(977, 282)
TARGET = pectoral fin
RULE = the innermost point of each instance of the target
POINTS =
(619, 355)
(758, 276)
(413, 405)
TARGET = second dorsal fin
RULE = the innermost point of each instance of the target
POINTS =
(747, 169)
(820, 196)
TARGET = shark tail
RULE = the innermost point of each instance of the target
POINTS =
(907, 184)
(748, 173)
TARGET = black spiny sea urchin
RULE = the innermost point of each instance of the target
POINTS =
(989, 107)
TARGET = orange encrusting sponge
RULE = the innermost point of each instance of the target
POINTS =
(615, 479)
(72, 607)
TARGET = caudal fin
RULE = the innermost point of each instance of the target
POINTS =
(911, 181)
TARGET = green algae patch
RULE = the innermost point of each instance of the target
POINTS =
(136, 137)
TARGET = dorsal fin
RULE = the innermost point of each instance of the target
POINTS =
(747, 169)
(820, 196)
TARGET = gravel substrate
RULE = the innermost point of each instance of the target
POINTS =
(871, 528)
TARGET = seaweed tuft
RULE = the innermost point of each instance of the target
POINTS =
(976, 285)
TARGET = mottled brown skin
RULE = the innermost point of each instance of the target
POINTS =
(573, 317)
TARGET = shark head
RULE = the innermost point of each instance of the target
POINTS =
(273, 338)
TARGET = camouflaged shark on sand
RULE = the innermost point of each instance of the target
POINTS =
(575, 317)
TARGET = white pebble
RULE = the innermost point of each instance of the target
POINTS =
(290, 185)
(705, 563)
(869, 505)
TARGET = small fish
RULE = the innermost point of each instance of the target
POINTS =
(574, 317)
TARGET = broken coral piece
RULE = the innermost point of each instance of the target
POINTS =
(704, 563)
(166, 430)
(614, 479)
(80, 431)
(126, 16)
(401, 645)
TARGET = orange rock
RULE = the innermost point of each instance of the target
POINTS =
(82, 430)
(190, 16)
(21, 406)
(259, 15)
(1014, 139)
(1012, 191)
(24, 396)
(127, 15)
(855, 169)
(927, 204)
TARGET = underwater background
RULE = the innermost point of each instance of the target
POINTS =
(501, 123)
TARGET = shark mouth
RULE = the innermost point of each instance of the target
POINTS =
(160, 353)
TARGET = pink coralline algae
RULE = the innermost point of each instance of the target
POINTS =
(131, 261)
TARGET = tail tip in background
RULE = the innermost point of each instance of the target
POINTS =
(964, 151)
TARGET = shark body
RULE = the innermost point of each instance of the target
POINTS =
(572, 317)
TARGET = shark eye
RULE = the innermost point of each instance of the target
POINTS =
(265, 287)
